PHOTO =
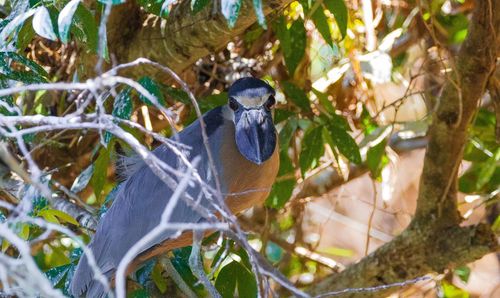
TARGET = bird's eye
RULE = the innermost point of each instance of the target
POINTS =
(270, 102)
(233, 104)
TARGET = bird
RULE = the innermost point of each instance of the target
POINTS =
(242, 140)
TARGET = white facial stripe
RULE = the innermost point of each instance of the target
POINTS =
(251, 102)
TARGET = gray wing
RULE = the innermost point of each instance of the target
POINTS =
(138, 206)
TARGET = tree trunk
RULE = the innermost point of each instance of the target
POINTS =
(434, 240)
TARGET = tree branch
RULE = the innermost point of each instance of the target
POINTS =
(421, 248)
(179, 40)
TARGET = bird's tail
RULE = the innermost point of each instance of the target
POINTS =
(83, 283)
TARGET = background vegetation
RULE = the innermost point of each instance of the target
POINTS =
(360, 83)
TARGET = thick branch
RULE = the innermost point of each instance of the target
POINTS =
(179, 40)
(413, 253)
(448, 133)
(434, 240)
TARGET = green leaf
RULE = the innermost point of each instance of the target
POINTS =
(65, 217)
(286, 133)
(282, 33)
(245, 260)
(15, 23)
(153, 88)
(334, 120)
(286, 166)
(82, 180)
(450, 291)
(180, 261)
(65, 19)
(39, 203)
(247, 286)
(51, 213)
(226, 280)
(340, 122)
(321, 23)
(259, 12)
(230, 10)
(339, 11)
(56, 275)
(49, 217)
(296, 95)
(328, 139)
(463, 272)
(234, 274)
(24, 232)
(42, 24)
(467, 182)
(374, 158)
(487, 170)
(198, 5)
(176, 94)
(36, 74)
(25, 61)
(25, 36)
(100, 172)
(282, 115)
(122, 108)
(345, 143)
(312, 149)
(85, 20)
(295, 49)
(292, 42)
(158, 279)
(219, 254)
(280, 193)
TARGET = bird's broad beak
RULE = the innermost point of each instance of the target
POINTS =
(255, 135)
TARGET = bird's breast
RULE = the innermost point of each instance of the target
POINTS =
(246, 184)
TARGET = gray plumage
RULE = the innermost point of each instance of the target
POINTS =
(142, 197)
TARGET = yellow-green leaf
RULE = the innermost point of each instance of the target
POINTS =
(63, 216)
(48, 216)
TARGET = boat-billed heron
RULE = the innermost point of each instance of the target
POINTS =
(242, 140)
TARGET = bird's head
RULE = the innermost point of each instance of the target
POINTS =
(251, 101)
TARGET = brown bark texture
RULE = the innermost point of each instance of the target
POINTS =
(179, 40)
(435, 241)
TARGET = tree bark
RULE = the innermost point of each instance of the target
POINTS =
(179, 40)
(435, 240)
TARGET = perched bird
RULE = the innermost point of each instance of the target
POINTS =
(243, 143)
